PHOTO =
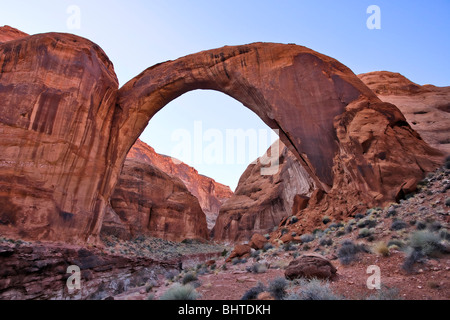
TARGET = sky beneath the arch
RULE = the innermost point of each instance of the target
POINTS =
(136, 34)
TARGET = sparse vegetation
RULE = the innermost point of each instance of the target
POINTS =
(364, 233)
(314, 290)
(253, 293)
(398, 225)
(189, 277)
(382, 249)
(277, 288)
(348, 252)
(386, 293)
(180, 292)
(307, 238)
(257, 268)
(326, 220)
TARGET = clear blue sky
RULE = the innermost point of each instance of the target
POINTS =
(413, 40)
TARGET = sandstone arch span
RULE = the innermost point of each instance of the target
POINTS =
(67, 141)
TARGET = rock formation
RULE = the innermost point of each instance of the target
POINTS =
(66, 128)
(57, 101)
(210, 194)
(262, 201)
(8, 33)
(149, 202)
(427, 108)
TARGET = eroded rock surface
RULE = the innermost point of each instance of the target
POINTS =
(427, 108)
(152, 203)
(261, 200)
(210, 194)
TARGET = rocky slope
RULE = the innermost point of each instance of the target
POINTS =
(210, 194)
(427, 108)
(149, 202)
(262, 201)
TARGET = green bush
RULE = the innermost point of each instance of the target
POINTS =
(253, 293)
(348, 252)
(277, 288)
(398, 225)
(306, 238)
(315, 290)
(429, 243)
(326, 220)
(180, 292)
(189, 277)
(364, 233)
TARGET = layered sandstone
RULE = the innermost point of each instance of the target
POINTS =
(262, 200)
(210, 194)
(152, 203)
(427, 108)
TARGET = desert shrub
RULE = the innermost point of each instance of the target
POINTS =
(420, 225)
(395, 242)
(359, 216)
(341, 233)
(435, 226)
(447, 202)
(306, 238)
(429, 243)
(386, 293)
(413, 256)
(255, 254)
(277, 288)
(348, 252)
(444, 234)
(189, 277)
(284, 231)
(398, 225)
(326, 220)
(391, 212)
(253, 293)
(294, 234)
(288, 247)
(316, 290)
(171, 274)
(224, 253)
(257, 268)
(364, 233)
(267, 236)
(348, 229)
(180, 292)
(366, 223)
(326, 242)
(293, 219)
(382, 249)
(267, 247)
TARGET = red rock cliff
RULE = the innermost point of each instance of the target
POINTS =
(209, 193)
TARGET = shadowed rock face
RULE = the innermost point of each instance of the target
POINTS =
(66, 129)
(149, 202)
(210, 194)
(262, 201)
(427, 108)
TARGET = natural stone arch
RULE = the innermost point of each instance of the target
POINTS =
(67, 129)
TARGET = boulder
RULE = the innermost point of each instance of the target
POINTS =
(309, 266)
(258, 241)
(240, 250)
